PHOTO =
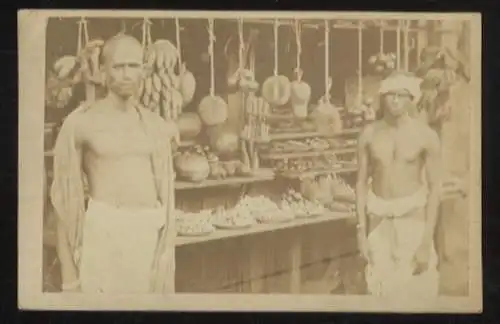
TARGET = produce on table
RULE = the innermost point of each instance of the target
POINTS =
(189, 124)
(192, 166)
(232, 218)
(263, 210)
(224, 140)
(294, 202)
(194, 224)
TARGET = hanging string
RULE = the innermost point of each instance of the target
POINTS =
(146, 26)
(298, 33)
(79, 45)
(85, 31)
(276, 47)
(406, 44)
(360, 62)
(211, 37)
(328, 80)
(241, 48)
(382, 25)
(398, 45)
(178, 43)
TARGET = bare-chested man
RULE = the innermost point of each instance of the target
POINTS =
(397, 202)
(122, 240)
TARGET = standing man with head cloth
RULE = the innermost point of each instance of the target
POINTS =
(122, 240)
(396, 205)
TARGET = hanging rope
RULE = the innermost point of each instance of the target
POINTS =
(398, 45)
(80, 45)
(298, 33)
(241, 49)
(211, 40)
(382, 25)
(146, 33)
(328, 79)
(406, 44)
(276, 47)
(178, 43)
(360, 62)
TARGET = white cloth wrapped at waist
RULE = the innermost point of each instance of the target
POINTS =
(393, 243)
(118, 247)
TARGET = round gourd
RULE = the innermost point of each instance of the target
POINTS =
(223, 140)
(276, 90)
(187, 87)
(327, 118)
(300, 94)
(189, 125)
(213, 110)
(192, 167)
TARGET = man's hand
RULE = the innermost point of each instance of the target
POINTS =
(363, 248)
(420, 261)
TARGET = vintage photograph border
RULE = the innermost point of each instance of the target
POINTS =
(32, 37)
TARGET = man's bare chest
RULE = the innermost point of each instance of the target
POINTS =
(388, 147)
(117, 140)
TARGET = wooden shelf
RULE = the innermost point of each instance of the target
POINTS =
(296, 175)
(292, 136)
(220, 234)
(261, 175)
(292, 155)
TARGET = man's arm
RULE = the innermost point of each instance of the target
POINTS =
(433, 169)
(362, 179)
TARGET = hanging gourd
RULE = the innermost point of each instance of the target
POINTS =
(300, 93)
(212, 108)
(276, 89)
(326, 116)
(187, 82)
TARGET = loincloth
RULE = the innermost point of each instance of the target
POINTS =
(393, 243)
(118, 248)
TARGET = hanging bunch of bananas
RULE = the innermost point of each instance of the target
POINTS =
(70, 70)
(163, 90)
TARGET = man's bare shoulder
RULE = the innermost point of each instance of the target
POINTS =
(425, 132)
(368, 131)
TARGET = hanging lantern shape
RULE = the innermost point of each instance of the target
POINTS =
(276, 89)
(213, 109)
(187, 81)
(300, 91)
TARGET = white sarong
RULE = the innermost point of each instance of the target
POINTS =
(393, 243)
(118, 248)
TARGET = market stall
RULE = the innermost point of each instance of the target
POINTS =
(267, 161)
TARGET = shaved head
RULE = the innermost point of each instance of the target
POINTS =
(118, 41)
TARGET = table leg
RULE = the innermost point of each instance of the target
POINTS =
(296, 264)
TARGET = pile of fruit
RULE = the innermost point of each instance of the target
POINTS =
(164, 90)
(383, 63)
(294, 203)
(263, 210)
(194, 224)
(235, 218)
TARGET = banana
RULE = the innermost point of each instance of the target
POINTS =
(148, 85)
(156, 96)
(175, 79)
(146, 99)
(64, 66)
(157, 84)
(165, 80)
(177, 101)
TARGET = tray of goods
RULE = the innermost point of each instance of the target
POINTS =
(293, 202)
(263, 210)
(232, 219)
(340, 206)
(317, 144)
(194, 224)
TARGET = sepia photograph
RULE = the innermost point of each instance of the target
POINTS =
(340, 169)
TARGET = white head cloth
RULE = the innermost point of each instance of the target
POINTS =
(402, 82)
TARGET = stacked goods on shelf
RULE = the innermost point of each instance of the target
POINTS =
(234, 218)
(264, 210)
(296, 204)
(329, 190)
(194, 224)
